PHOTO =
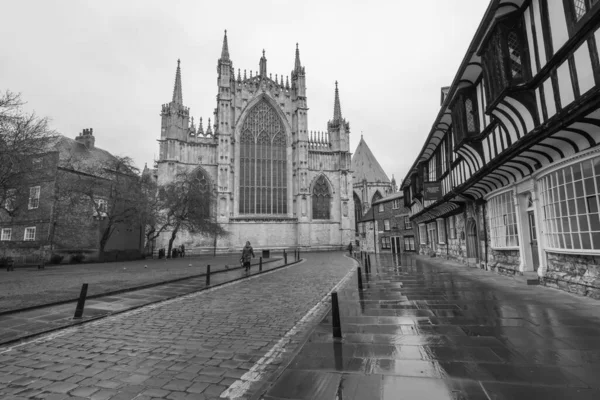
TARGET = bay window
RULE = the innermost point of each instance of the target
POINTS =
(465, 117)
(504, 57)
(570, 199)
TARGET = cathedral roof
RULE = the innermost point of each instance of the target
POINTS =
(365, 165)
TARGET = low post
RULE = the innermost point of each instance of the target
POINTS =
(298, 255)
(208, 275)
(368, 264)
(81, 302)
(284, 257)
(260, 264)
(360, 287)
(361, 257)
(335, 316)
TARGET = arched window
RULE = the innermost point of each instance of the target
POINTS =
(357, 212)
(201, 185)
(263, 163)
(376, 197)
(321, 199)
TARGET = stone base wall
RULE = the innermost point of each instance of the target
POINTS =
(574, 273)
(505, 262)
(265, 235)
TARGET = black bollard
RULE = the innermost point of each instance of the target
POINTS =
(208, 275)
(260, 264)
(368, 264)
(361, 256)
(284, 257)
(360, 287)
(81, 302)
(298, 255)
(335, 316)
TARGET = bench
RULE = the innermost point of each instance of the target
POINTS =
(26, 261)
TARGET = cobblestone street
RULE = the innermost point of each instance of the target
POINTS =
(194, 347)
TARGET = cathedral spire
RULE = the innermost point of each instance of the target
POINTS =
(225, 50)
(337, 109)
(297, 65)
(177, 93)
(263, 66)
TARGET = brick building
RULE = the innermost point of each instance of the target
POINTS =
(48, 219)
(386, 228)
(508, 178)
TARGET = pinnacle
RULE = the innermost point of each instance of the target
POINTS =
(337, 109)
(177, 91)
(225, 50)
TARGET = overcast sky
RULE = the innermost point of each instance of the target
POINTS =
(109, 65)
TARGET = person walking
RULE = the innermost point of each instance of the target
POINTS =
(350, 248)
(247, 254)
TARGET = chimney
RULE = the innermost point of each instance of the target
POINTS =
(87, 138)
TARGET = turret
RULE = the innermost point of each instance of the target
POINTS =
(87, 138)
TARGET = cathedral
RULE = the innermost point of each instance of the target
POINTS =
(274, 182)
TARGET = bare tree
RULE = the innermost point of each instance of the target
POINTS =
(22, 137)
(187, 206)
(112, 191)
(153, 217)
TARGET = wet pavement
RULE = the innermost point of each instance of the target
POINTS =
(430, 329)
(225, 341)
(20, 325)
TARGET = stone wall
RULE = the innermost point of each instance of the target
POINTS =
(574, 273)
(504, 261)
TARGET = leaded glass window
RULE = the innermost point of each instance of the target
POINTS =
(202, 184)
(263, 162)
(321, 199)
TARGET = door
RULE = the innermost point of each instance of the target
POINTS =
(472, 239)
(534, 244)
(395, 244)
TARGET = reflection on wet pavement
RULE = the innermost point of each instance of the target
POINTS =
(420, 330)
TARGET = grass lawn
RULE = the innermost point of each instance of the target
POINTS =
(25, 287)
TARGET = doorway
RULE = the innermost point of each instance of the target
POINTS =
(396, 245)
(534, 243)
(472, 250)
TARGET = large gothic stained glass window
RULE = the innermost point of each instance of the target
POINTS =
(263, 163)
(321, 199)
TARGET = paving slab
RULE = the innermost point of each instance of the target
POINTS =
(423, 329)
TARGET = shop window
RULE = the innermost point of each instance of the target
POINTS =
(452, 227)
(503, 221)
(29, 234)
(6, 234)
(423, 234)
(504, 57)
(570, 200)
(441, 228)
(432, 230)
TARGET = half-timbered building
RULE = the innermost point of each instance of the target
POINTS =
(509, 175)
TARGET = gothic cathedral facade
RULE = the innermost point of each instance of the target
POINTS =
(274, 182)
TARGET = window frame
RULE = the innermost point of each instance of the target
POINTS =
(573, 23)
(386, 225)
(458, 113)
(2, 234)
(411, 243)
(386, 242)
(9, 201)
(29, 229)
(395, 204)
(34, 197)
(380, 208)
(407, 224)
(423, 234)
(321, 200)
(452, 227)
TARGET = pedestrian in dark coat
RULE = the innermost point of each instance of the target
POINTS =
(350, 248)
(247, 254)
